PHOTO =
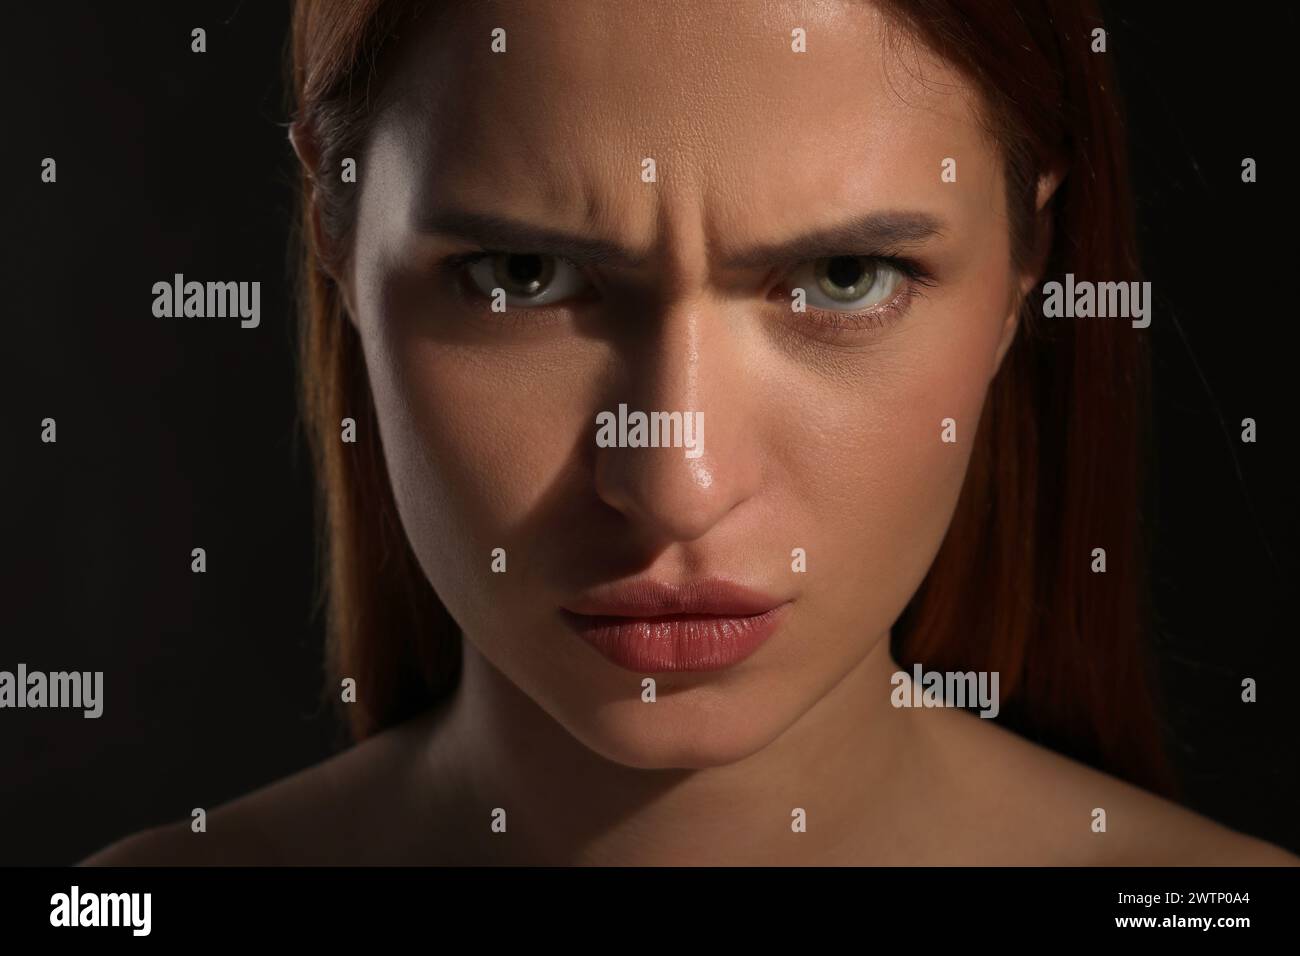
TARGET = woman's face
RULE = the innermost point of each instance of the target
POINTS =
(822, 430)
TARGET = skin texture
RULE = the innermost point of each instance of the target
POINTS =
(820, 434)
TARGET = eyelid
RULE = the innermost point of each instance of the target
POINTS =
(908, 265)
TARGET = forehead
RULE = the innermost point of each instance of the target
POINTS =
(743, 130)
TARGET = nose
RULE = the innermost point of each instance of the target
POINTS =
(693, 364)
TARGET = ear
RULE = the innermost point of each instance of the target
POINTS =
(304, 146)
(1048, 183)
(307, 149)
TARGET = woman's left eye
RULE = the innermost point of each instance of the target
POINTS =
(848, 283)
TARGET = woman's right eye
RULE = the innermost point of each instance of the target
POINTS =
(527, 279)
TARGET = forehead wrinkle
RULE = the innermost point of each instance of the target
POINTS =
(690, 120)
(584, 179)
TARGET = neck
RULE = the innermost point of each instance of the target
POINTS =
(842, 762)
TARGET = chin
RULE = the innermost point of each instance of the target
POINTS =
(686, 730)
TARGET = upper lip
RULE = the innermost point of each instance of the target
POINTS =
(648, 599)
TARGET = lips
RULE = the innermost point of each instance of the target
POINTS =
(649, 626)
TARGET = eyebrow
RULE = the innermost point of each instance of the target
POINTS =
(502, 234)
(873, 233)
(870, 233)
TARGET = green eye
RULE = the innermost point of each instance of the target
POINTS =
(852, 283)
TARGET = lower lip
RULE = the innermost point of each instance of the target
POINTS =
(681, 643)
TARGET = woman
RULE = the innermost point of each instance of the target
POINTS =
(807, 246)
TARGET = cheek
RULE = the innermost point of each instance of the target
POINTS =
(477, 442)
(881, 476)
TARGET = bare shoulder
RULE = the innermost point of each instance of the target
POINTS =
(1044, 808)
(338, 811)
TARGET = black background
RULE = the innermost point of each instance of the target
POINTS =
(181, 434)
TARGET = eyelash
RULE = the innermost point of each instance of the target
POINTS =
(916, 278)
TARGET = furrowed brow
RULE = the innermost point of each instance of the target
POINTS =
(863, 235)
(502, 234)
